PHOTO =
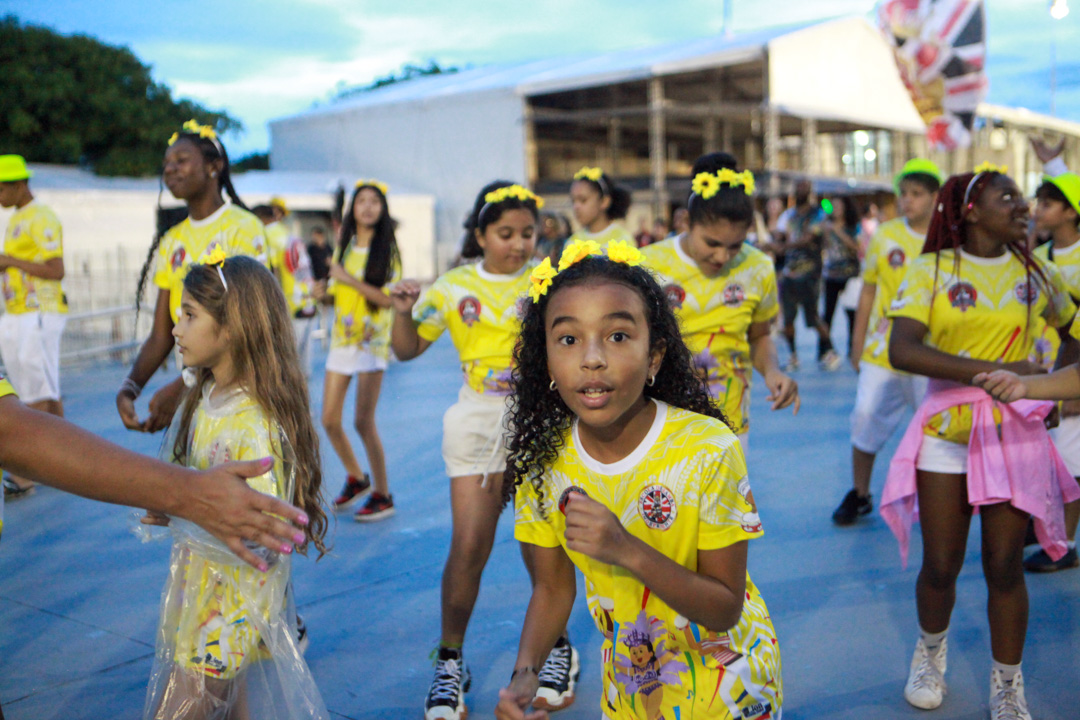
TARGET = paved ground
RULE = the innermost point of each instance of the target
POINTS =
(79, 594)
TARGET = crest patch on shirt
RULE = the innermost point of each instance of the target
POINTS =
(897, 258)
(675, 295)
(177, 258)
(565, 497)
(1026, 292)
(963, 295)
(734, 295)
(469, 310)
(657, 507)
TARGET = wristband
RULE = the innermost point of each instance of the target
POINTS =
(132, 387)
(527, 668)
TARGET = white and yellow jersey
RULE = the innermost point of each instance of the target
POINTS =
(892, 249)
(34, 235)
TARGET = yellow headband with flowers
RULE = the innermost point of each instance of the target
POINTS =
(980, 170)
(380, 186)
(989, 167)
(708, 184)
(215, 257)
(544, 274)
(192, 127)
(596, 175)
(513, 191)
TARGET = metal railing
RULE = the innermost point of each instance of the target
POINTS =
(105, 334)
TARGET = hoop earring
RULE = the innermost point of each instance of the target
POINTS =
(551, 386)
(651, 381)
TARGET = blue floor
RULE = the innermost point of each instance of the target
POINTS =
(79, 593)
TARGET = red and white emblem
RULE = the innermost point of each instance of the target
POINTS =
(1027, 293)
(469, 310)
(657, 507)
(734, 295)
(565, 497)
(177, 258)
(675, 295)
(897, 258)
(963, 295)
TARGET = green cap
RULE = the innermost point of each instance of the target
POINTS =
(12, 168)
(917, 166)
(1069, 185)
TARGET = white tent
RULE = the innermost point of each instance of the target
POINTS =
(450, 134)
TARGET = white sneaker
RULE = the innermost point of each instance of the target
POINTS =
(925, 687)
(1007, 700)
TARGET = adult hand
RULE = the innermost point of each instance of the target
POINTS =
(1070, 408)
(1002, 385)
(125, 405)
(163, 406)
(403, 295)
(1045, 152)
(783, 391)
(1025, 367)
(593, 530)
(219, 501)
(514, 698)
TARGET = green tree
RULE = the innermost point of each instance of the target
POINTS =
(73, 99)
(409, 71)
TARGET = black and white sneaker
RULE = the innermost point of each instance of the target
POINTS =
(852, 507)
(558, 677)
(446, 698)
(302, 639)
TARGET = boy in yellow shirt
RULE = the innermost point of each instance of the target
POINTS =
(35, 306)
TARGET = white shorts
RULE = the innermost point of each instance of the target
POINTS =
(942, 456)
(30, 346)
(474, 434)
(879, 405)
(1066, 437)
(354, 359)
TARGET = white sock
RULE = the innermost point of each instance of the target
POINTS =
(933, 641)
(1008, 672)
(1071, 544)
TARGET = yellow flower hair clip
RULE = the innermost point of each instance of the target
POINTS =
(734, 179)
(589, 173)
(216, 259)
(541, 279)
(705, 184)
(989, 167)
(577, 251)
(380, 186)
(513, 191)
(192, 127)
(623, 252)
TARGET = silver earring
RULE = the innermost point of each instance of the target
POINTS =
(651, 381)
(551, 386)
(213, 173)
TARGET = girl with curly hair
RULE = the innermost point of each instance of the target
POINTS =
(623, 465)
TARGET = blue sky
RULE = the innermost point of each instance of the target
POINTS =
(262, 59)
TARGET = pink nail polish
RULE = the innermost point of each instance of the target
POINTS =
(302, 519)
(263, 567)
(286, 548)
(298, 537)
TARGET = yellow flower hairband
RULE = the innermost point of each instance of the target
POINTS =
(192, 127)
(596, 175)
(708, 184)
(380, 186)
(980, 170)
(543, 275)
(216, 259)
(513, 191)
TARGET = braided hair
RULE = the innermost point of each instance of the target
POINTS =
(211, 149)
(949, 229)
(540, 419)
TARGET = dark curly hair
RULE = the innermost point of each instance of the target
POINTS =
(540, 419)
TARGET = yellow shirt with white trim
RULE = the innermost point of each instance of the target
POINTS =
(614, 231)
(34, 234)
(233, 428)
(1047, 340)
(684, 489)
(290, 262)
(233, 229)
(355, 323)
(986, 310)
(482, 311)
(715, 315)
(892, 249)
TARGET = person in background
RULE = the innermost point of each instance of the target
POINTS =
(35, 305)
(842, 229)
(643, 236)
(550, 236)
(680, 222)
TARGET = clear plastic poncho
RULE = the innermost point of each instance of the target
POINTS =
(226, 644)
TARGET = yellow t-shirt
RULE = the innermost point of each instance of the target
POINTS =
(354, 322)
(892, 249)
(290, 262)
(224, 605)
(1047, 341)
(33, 234)
(614, 231)
(684, 489)
(982, 313)
(715, 315)
(234, 229)
(483, 313)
